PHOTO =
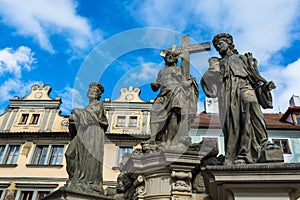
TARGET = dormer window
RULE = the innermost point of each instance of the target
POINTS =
(297, 116)
(121, 121)
(35, 118)
(133, 121)
(24, 119)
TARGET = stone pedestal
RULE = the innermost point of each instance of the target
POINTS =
(166, 174)
(272, 181)
(65, 193)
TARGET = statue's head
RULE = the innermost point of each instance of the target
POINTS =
(171, 58)
(225, 37)
(95, 90)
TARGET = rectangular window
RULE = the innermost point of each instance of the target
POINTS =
(2, 150)
(56, 155)
(40, 154)
(9, 154)
(283, 144)
(298, 119)
(121, 121)
(133, 121)
(24, 119)
(26, 195)
(35, 118)
(122, 151)
(48, 155)
(34, 194)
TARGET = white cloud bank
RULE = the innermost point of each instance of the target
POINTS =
(12, 64)
(260, 26)
(71, 98)
(41, 19)
(14, 61)
(287, 81)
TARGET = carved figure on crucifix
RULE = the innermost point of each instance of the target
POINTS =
(170, 111)
(176, 105)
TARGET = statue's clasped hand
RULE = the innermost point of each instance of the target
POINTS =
(269, 86)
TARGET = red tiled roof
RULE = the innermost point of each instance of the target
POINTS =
(204, 120)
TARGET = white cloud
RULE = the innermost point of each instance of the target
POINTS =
(41, 19)
(12, 64)
(14, 87)
(145, 72)
(71, 98)
(14, 61)
(167, 14)
(258, 26)
(262, 27)
(287, 82)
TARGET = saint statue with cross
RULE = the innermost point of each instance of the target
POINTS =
(175, 106)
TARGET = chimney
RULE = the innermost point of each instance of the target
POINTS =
(211, 105)
(295, 101)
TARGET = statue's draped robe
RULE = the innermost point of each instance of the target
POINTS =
(173, 97)
(241, 118)
(85, 152)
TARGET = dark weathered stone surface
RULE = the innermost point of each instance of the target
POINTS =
(175, 106)
(235, 80)
(69, 193)
(84, 155)
(170, 173)
(165, 174)
(276, 181)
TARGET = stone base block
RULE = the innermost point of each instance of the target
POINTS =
(272, 181)
(65, 193)
(271, 155)
(181, 196)
(167, 175)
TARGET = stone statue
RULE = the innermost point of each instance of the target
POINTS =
(84, 155)
(235, 80)
(175, 106)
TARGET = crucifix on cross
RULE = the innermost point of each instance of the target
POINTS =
(186, 49)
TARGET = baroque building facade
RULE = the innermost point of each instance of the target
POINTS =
(34, 137)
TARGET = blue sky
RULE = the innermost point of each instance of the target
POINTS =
(68, 43)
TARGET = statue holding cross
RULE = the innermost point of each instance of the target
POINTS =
(175, 106)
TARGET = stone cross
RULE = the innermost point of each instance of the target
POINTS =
(186, 49)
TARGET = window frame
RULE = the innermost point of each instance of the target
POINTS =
(119, 155)
(130, 121)
(6, 151)
(296, 117)
(289, 151)
(123, 122)
(23, 116)
(35, 192)
(2, 193)
(48, 156)
(34, 119)
(126, 121)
